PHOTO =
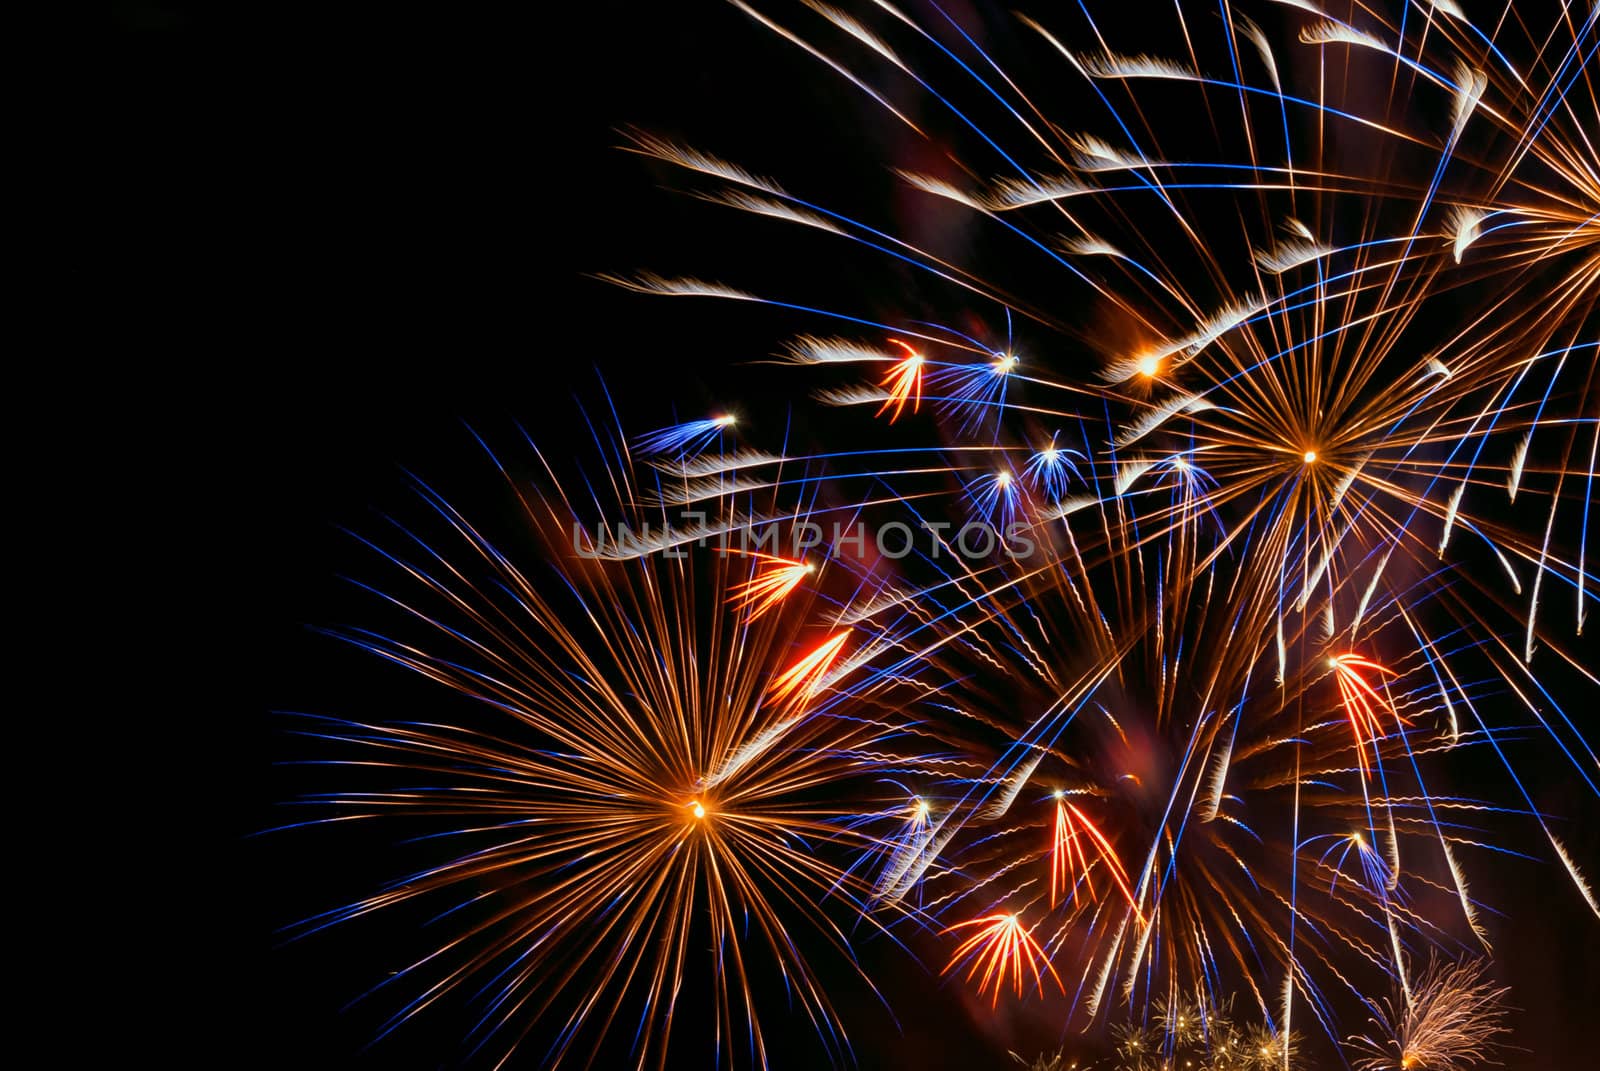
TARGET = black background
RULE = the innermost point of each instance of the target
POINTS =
(336, 236)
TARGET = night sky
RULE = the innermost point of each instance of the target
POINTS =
(369, 228)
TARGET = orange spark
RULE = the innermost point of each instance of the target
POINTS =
(804, 676)
(774, 579)
(1362, 702)
(903, 381)
(1001, 945)
(1068, 853)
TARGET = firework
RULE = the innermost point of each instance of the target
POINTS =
(647, 795)
(1218, 585)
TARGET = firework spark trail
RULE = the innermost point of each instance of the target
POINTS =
(1361, 702)
(775, 578)
(903, 381)
(1067, 852)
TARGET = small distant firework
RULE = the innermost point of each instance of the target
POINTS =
(1200, 1036)
(1453, 1019)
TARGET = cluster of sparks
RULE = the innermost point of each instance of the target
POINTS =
(1186, 740)
(1069, 857)
(1000, 945)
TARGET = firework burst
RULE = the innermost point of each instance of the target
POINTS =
(649, 796)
